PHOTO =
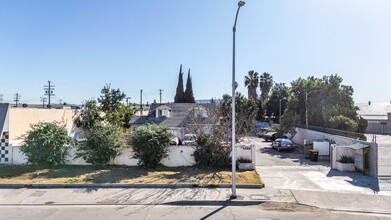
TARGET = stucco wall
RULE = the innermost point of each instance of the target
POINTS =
(178, 156)
(304, 134)
(20, 120)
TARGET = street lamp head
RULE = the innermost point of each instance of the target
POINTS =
(241, 3)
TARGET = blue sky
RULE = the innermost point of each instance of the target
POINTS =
(82, 45)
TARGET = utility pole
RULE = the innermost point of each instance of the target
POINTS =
(49, 91)
(1, 98)
(160, 92)
(127, 100)
(43, 100)
(141, 102)
(16, 99)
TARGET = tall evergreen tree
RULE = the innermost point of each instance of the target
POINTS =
(189, 96)
(180, 94)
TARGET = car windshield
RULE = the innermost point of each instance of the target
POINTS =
(286, 142)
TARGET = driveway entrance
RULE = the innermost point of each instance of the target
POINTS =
(290, 170)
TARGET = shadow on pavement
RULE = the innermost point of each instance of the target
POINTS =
(213, 203)
(293, 156)
(357, 179)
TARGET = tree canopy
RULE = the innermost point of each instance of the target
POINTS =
(109, 109)
(251, 82)
(329, 103)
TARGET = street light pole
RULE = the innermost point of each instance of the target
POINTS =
(233, 141)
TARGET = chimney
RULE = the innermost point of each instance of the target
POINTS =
(369, 102)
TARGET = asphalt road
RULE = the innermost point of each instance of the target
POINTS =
(97, 212)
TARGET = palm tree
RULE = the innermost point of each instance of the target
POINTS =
(265, 84)
(251, 81)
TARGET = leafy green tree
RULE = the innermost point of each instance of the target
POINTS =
(251, 82)
(329, 103)
(101, 144)
(341, 122)
(111, 104)
(109, 109)
(46, 143)
(278, 92)
(189, 96)
(89, 117)
(265, 83)
(246, 110)
(261, 110)
(150, 144)
(211, 153)
(180, 94)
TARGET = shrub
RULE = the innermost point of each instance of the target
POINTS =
(46, 143)
(150, 144)
(346, 159)
(101, 144)
(211, 153)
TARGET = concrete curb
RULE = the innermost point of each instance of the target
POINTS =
(121, 185)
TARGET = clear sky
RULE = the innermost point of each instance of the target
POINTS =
(80, 45)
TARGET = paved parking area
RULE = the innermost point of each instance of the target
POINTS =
(290, 170)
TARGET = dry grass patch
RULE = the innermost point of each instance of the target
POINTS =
(26, 174)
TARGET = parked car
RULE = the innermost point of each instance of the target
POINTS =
(174, 141)
(283, 144)
(261, 132)
(270, 136)
(190, 139)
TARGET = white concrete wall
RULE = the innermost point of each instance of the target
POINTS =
(304, 134)
(177, 156)
(246, 152)
(323, 147)
(16, 156)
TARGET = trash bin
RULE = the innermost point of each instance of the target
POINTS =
(314, 155)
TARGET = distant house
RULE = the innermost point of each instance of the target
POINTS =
(378, 116)
(179, 117)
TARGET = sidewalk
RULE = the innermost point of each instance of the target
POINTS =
(368, 203)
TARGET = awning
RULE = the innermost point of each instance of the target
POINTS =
(358, 146)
